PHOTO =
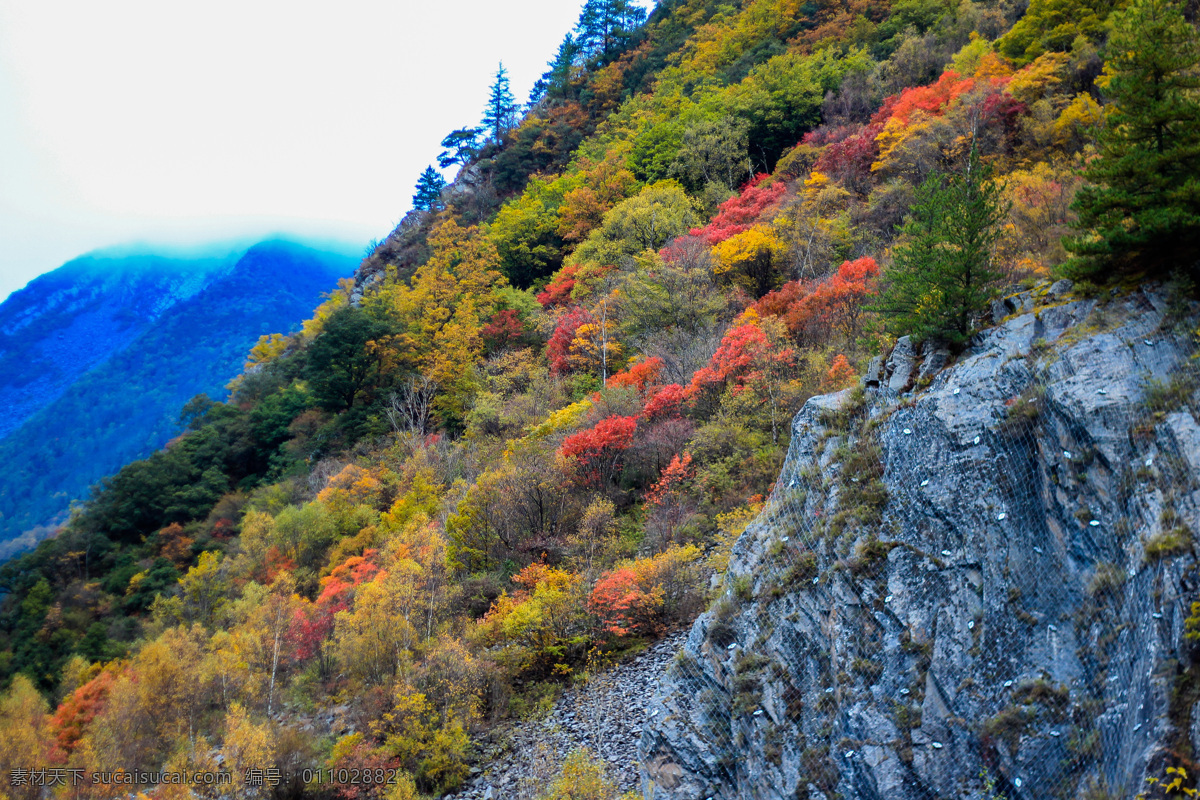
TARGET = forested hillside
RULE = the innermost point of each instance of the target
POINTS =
(523, 443)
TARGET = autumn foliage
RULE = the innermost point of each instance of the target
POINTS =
(931, 99)
(811, 310)
(646, 595)
(664, 402)
(558, 290)
(740, 212)
(78, 709)
(746, 355)
(848, 157)
(597, 451)
(544, 425)
(503, 330)
(558, 349)
(640, 375)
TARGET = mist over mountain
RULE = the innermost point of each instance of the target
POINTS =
(98, 357)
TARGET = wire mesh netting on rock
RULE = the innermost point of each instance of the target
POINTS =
(969, 582)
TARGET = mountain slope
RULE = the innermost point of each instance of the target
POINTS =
(532, 437)
(187, 333)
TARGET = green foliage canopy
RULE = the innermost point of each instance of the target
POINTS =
(1143, 207)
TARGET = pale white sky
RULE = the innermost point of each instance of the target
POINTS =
(168, 120)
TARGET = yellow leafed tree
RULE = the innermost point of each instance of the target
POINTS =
(750, 259)
(248, 745)
(24, 736)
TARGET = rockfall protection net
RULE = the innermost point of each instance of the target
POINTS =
(971, 582)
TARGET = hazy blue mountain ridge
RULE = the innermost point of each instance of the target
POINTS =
(70, 320)
(98, 358)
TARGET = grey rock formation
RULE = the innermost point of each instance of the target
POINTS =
(901, 365)
(990, 573)
(1059, 289)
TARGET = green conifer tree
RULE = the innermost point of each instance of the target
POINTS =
(1141, 212)
(941, 278)
(606, 25)
(556, 82)
(460, 147)
(500, 114)
(429, 190)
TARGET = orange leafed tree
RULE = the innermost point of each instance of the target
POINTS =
(835, 304)
(598, 450)
(78, 709)
(640, 375)
(644, 596)
(839, 376)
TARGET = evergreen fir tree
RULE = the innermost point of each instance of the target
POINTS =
(500, 114)
(429, 190)
(556, 83)
(589, 30)
(632, 18)
(606, 25)
(1142, 211)
(941, 278)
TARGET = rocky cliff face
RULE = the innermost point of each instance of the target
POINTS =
(977, 570)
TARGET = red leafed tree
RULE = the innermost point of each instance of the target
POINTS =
(839, 376)
(745, 355)
(275, 562)
(679, 470)
(839, 299)
(622, 606)
(640, 375)
(748, 359)
(598, 450)
(558, 290)
(310, 626)
(668, 500)
(885, 109)
(665, 402)
(829, 134)
(739, 213)
(529, 577)
(558, 349)
(313, 622)
(848, 160)
(1000, 117)
(503, 330)
(781, 302)
(364, 759)
(338, 585)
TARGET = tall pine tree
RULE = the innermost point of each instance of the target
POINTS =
(429, 190)
(1141, 212)
(606, 25)
(556, 83)
(500, 115)
(941, 279)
